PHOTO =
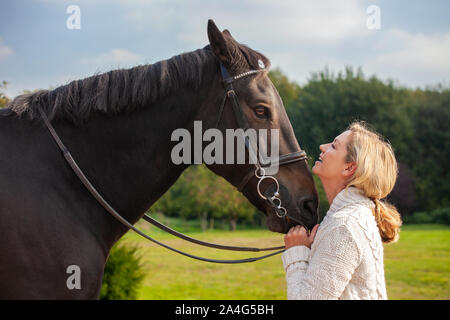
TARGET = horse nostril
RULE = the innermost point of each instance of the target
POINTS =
(308, 205)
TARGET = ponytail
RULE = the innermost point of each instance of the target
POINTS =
(388, 221)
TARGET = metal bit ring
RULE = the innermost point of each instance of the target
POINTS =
(258, 170)
(282, 209)
(259, 183)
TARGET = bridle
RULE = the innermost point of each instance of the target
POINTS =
(259, 173)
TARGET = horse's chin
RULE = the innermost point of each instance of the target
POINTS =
(276, 224)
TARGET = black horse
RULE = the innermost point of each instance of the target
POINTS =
(118, 127)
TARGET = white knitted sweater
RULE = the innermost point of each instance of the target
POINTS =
(346, 258)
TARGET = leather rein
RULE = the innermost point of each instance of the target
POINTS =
(259, 172)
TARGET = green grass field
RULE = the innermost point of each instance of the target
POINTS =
(417, 267)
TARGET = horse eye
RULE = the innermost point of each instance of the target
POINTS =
(261, 112)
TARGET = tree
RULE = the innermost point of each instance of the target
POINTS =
(414, 121)
(288, 90)
(201, 189)
(123, 273)
(403, 195)
(3, 98)
(328, 103)
(230, 204)
(431, 151)
(200, 194)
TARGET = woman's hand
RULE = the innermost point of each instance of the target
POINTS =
(298, 236)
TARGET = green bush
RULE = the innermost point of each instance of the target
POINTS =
(418, 218)
(123, 274)
(441, 216)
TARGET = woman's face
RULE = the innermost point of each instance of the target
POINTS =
(331, 164)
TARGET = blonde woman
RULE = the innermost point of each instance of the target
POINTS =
(343, 257)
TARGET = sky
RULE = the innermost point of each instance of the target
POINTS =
(405, 41)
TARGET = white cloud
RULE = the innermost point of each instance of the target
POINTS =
(257, 20)
(113, 58)
(414, 55)
(302, 20)
(300, 36)
(5, 51)
(411, 59)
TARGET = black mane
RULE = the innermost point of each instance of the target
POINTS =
(115, 91)
(125, 90)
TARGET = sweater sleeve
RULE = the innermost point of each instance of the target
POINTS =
(326, 274)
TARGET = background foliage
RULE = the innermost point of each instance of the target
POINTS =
(3, 98)
(415, 121)
(123, 274)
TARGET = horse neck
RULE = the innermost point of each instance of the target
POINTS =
(128, 157)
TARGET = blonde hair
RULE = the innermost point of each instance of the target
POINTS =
(375, 176)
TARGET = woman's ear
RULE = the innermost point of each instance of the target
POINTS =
(349, 169)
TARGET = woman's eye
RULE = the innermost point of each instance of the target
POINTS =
(261, 112)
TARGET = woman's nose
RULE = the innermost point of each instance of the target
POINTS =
(322, 147)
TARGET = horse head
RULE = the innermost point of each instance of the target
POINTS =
(284, 190)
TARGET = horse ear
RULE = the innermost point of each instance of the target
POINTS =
(227, 32)
(219, 43)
